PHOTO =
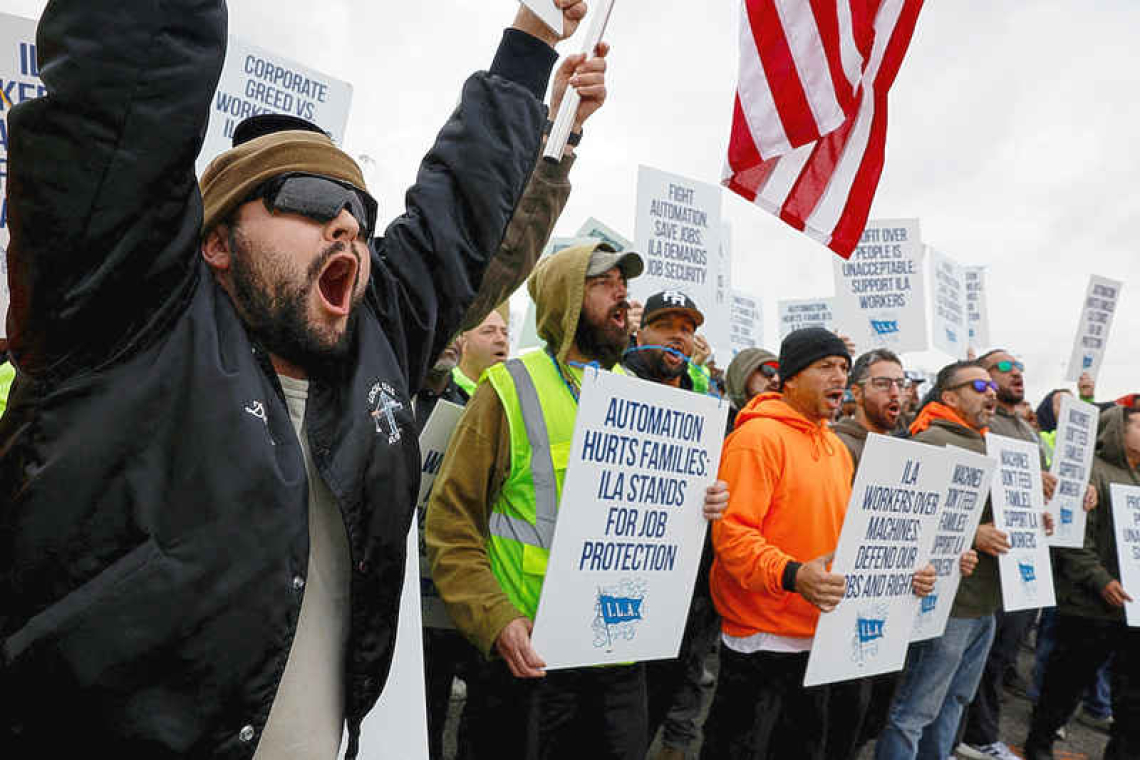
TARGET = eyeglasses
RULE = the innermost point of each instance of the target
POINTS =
(980, 386)
(769, 369)
(885, 383)
(1008, 366)
(319, 198)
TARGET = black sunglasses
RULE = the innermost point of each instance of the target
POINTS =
(769, 369)
(318, 197)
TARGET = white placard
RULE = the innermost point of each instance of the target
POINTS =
(631, 527)
(799, 313)
(255, 81)
(949, 309)
(1100, 303)
(725, 295)
(1018, 501)
(396, 728)
(1126, 520)
(888, 530)
(977, 312)
(879, 292)
(525, 338)
(678, 232)
(747, 323)
(433, 445)
(19, 81)
(962, 508)
(1072, 464)
(548, 12)
(592, 228)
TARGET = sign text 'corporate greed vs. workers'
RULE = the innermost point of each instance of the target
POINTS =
(630, 529)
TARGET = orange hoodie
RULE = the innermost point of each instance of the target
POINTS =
(789, 481)
(936, 410)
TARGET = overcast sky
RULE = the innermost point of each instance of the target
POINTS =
(1007, 139)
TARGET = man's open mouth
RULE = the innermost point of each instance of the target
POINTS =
(336, 283)
(834, 397)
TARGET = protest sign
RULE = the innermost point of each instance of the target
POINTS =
(888, 529)
(977, 312)
(1092, 331)
(255, 81)
(678, 232)
(19, 81)
(962, 508)
(525, 338)
(1126, 520)
(879, 292)
(949, 321)
(548, 12)
(1072, 464)
(806, 312)
(592, 228)
(630, 526)
(1018, 501)
(747, 322)
(433, 445)
(396, 727)
(724, 294)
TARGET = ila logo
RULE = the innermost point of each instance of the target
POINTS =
(870, 624)
(617, 612)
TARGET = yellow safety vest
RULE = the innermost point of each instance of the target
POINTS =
(464, 382)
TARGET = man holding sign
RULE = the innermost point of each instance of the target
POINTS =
(211, 468)
(790, 479)
(1091, 623)
(493, 509)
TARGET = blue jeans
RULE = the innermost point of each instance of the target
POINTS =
(939, 681)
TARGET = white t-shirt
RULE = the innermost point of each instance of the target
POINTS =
(307, 718)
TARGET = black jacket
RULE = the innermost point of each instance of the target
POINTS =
(153, 495)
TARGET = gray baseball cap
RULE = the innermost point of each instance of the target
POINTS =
(604, 258)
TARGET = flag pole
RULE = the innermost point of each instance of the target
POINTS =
(564, 121)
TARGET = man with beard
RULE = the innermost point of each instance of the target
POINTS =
(492, 513)
(877, 383)
(981, 739)
(209, 460)
(790, 482)
(942, 674)
(665, 340)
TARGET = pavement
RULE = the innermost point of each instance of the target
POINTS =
(1082, 742)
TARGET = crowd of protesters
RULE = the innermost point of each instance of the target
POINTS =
(211, 398)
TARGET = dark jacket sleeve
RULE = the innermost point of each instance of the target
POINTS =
(103, 200)
(431, 261)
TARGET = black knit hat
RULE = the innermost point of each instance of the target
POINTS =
(802, 347)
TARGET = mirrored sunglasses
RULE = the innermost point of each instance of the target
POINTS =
(319, 198)
(1008, 366)
(979, 386)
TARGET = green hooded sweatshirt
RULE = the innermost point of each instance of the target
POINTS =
(1081, 574)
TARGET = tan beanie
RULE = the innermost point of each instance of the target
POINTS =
(232, 176)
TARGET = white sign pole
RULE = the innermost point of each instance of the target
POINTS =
(1092, 332)
(879, 291)
(949, 319)
(20, 80)
(564, 121)
(887, 532)
(1126, 520)
(957, 523)
(630, 529)
(1072, 464)
(1018, 501)
(806, 312)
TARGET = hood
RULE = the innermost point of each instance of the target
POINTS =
(772, 406)
(557, 286)
(1110, 437)
(1045, 418)
(936, 410)
(740, 369)
(851, 427)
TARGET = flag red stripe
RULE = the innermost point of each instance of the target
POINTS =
(742, 152)
(779, 68)
(827, 22)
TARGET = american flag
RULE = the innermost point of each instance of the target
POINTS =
(810, 123)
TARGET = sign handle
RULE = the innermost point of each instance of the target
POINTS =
(564, 121)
